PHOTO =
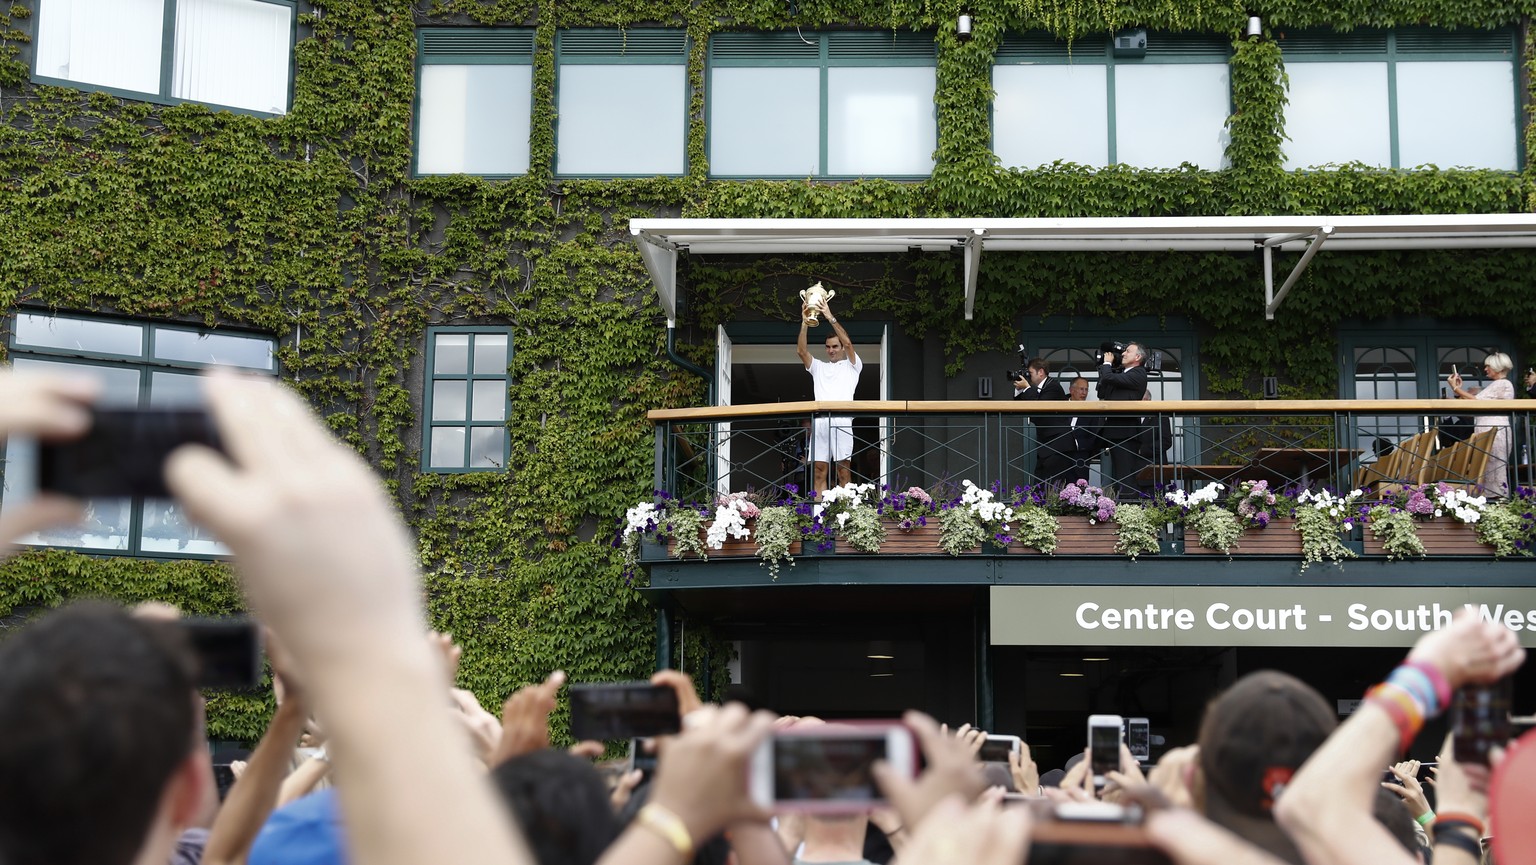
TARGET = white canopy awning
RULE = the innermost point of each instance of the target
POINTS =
(660, 240)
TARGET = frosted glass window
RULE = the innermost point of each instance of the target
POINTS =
(109, 43)
(175, 389)
(233, 52)
(214, 348)
(622, 119)
(467, 401)
(451, 355)
(1168, 114)
(487, 447)
(447, 447)
(491, 354)
(489, 401)
(98, 337)
(1338, 113)
(474, 119)
(765, 122)
(1048, 112)
(880, 121)
(448, 398)
(1456, 113)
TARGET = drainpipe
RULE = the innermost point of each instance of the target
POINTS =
(685, 363)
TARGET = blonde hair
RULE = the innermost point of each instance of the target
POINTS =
(1499, 362)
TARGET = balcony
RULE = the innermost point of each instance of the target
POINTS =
(1388, 450)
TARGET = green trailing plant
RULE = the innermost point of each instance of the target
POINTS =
(1219, 528)
(685, 526)
(1505, 528)
(1138, 530)
(961, 531)
(1035, 528)
(1396, 531)
(778, 532)
(1322, 519)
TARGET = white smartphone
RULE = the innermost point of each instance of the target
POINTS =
(1138, 737)
(1104, 737)
(826, 769)
(995, 749)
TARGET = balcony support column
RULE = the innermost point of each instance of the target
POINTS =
(984, 706)
(663, 639)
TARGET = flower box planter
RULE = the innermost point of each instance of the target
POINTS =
(1280, 538)
(1076, 537)
(1444, 537)
(921, 540)
(814, 547)
(732, 548)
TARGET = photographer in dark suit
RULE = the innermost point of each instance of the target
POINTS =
(1038, 385)
(1122, 433)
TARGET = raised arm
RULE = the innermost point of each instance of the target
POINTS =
(837, 327)
(254, 796)
(1327, 807)
(800, 347)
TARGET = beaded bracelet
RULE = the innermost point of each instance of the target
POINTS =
(1436, 678)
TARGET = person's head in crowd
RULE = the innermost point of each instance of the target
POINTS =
(1498, 364)
(100, 745)
(562, 804)
(1132, 355)
(1391, 813)
(1037, 371)
(1252, 740)
(1079, 389)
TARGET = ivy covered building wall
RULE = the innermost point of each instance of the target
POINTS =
(313, 227)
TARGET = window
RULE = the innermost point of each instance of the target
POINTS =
(1082, 104)
(474, 100)
(139, 365)
(225, 53)
(622, 99)
(467, 399)
(1402, 98)
(848, 104)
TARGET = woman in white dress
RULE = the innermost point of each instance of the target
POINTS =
(1496, 366)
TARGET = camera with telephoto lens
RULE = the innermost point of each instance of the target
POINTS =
(1108, 346)
(1022, 372)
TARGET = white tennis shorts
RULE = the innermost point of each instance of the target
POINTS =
(831, 436)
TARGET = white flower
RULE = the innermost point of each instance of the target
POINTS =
(1349, 526)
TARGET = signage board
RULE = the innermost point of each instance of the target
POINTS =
(1245, 615)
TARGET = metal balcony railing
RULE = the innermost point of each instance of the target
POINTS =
(1136, 447)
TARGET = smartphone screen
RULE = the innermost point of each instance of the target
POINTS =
(223, 779)
(642, 755)
(623, 711)
(228, 651)
(123, 453)
(1480, 720)
(995, 749)
(815, 768)
(1104, 744)
(1138, 738)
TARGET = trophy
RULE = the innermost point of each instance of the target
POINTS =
(815, 299)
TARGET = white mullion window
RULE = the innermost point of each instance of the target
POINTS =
(224, 53)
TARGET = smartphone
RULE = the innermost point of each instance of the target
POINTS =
(623, 710)
(995, 749)
(1104, 739)
(228, 651)
(826, 769)
(123, 453)
(642, 755)
(1480, 720)
(1138, 737)
(223, 779)
(1090, 833)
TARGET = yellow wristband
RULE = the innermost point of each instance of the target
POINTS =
(662, 821)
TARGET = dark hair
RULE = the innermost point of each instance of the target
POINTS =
(1393, 814)
(96, 713)
(562, 805)
(1040, 364)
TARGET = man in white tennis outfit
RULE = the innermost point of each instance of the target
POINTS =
(834, 378)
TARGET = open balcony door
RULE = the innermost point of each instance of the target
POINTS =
(722, 397)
